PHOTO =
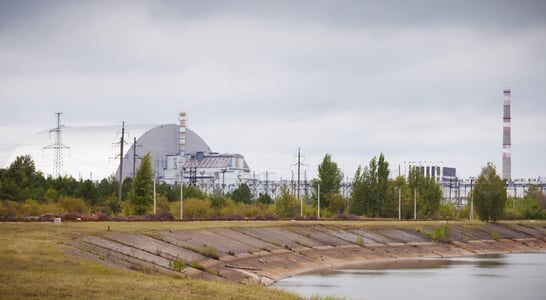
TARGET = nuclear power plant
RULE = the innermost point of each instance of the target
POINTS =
(179, 154)
(97, 152)
(506, 139)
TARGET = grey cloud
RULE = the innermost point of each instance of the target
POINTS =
(419, 80)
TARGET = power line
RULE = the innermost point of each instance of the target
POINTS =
(57, 147)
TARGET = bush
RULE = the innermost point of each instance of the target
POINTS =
(9, 209)
(197, 265)
(231, 209)
(177, 265)
(286, 205)
(73, 205)
(360, 241)
(464, 213)
(495, 236)
(30, 208)
(250, 210)
(325, 213)
(448, 211)
(196, 209)
(162, 204)
(209, 252)
(442, 234)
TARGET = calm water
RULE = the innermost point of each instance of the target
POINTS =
(511, 276)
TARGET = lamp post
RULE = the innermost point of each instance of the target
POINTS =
(318, 200)
(471, 199)
(414, 203)
(182, 193)
(155, 200)
(399, 203)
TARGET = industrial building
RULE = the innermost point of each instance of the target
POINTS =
(94, 152)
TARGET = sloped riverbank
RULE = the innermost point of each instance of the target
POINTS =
(263, 255)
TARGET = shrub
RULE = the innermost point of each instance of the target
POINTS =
(464, 213)
(197, 265)
(231, 208)
(495, 236)
(30, 208)
(162, 204)
(325, 213)
(73, 205)
(177, 265)
(209, 252)
(250, 210)
(193, 209)
(360, 241)
(442, 234)
(448, 211)
(286, 205)
(9, 209)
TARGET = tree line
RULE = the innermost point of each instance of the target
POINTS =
(26, 192)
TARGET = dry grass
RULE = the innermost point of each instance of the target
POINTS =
(33, 265)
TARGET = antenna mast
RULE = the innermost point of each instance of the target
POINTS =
(57, 147)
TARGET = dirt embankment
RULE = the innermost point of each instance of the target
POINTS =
(265, 255)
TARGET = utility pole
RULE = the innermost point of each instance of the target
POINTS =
(414, 203)
(399, 203)
(471, 199)
(299, 164)
(155, 200)
(122, 141)
(318, 200)
(182, 193)
(135, 156)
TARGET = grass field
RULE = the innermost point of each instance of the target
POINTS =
(34, 265)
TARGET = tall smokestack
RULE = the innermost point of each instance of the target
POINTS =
(182, 134)
(506, 139)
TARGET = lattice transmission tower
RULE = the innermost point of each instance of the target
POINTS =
(57, 147)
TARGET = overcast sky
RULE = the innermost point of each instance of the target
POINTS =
(415, 80)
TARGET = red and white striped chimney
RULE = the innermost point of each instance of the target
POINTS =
(506, 139)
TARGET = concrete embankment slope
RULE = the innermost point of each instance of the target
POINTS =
(264, 255)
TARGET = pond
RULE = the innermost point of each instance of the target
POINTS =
(504, 276)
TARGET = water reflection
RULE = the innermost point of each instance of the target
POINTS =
(508, 276)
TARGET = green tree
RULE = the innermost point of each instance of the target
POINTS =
(106, 187)
(371, 188)
(529, 206)
(88, 191)
(20, 181)
(242, 194)
(430, 197)
(265, 199)
(217, 202)
(141, 195)
(489, 194)
(358, 193)
(191, 191)
(286, 205)
(427, 192)
(336, 203)
(397, 189)
(113, 205)
(51, 195)
(329, 178)
(127, 187)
